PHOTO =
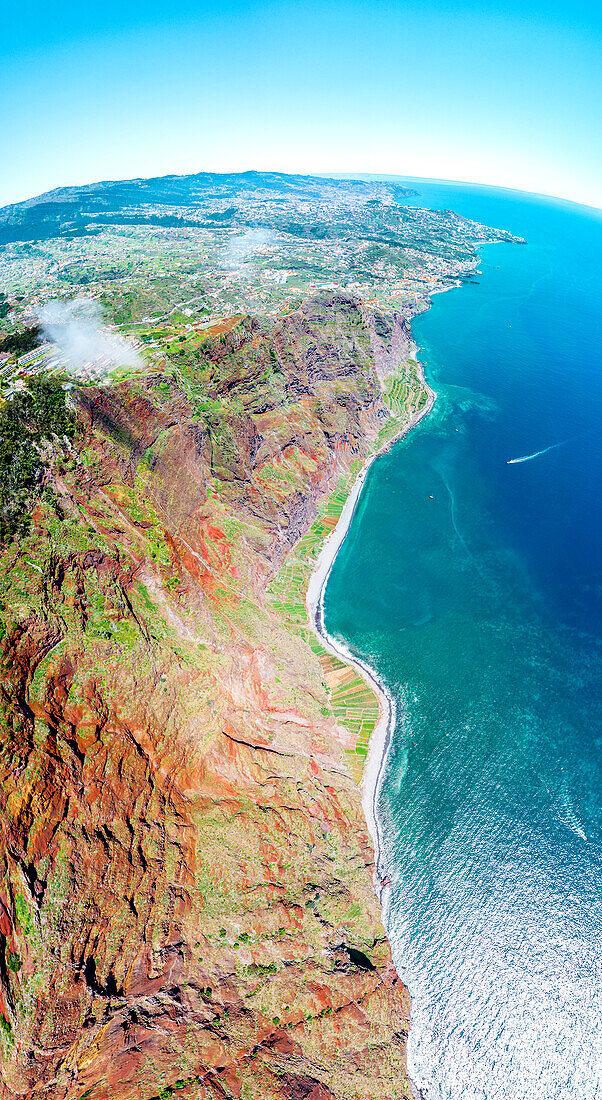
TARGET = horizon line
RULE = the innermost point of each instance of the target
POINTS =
(385, 176)
(366, 177)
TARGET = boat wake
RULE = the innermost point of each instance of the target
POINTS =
(527, 458)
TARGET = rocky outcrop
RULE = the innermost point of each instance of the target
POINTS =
(390, 339)
(186, 902)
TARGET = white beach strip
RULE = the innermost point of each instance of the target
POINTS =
(315, 607)
(381, 734)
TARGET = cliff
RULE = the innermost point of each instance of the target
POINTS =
(186, 901)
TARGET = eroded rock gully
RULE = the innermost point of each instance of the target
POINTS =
(186, 902)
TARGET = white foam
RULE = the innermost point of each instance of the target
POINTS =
(527, 458)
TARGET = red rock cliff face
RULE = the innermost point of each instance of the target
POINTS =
(186, 902)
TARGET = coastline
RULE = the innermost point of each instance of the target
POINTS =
(381, 734)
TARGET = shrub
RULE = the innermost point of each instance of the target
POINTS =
(21, 342)
(33, 425)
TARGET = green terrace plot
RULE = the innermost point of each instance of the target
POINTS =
(354, 704)
(404, 391)
(397, 395)
(352, 701)
(288, 591)
(289, 586)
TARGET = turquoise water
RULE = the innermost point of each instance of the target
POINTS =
(473, 585)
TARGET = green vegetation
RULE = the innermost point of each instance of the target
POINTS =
(21, 342)
(23, 915)
(260, 968)
(13, 962)
(351, 700)
(35, 423)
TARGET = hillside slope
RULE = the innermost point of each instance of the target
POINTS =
(186, 902)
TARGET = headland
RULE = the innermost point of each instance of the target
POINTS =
(187, 902)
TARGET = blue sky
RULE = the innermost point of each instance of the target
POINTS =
(507, 94)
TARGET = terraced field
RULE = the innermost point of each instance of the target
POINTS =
(352, 701)
(400, 391)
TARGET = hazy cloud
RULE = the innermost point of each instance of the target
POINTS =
(81, 336)
(238, 251)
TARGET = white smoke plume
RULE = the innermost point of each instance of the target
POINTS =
(238, 251)
(84, 343)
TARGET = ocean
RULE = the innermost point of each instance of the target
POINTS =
(472, 583)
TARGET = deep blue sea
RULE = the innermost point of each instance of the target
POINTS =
(474, 587)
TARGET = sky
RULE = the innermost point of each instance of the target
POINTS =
(502, 93)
